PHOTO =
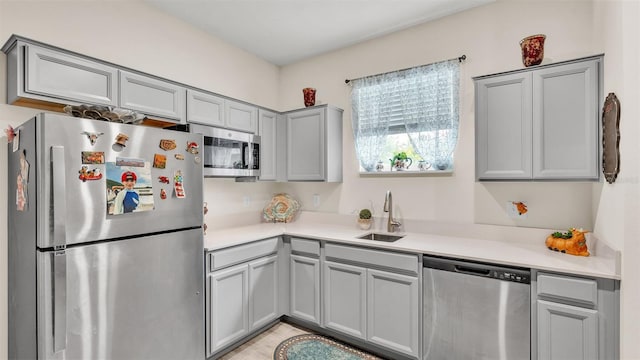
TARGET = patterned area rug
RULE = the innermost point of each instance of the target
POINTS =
(316, 347)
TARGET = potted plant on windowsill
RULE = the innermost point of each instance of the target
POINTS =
(400, 161)
(364, 219)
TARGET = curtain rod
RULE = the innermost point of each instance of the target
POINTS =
(459, 58)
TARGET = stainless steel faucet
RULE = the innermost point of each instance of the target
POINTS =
(392, 224)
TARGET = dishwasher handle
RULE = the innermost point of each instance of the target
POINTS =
(475, 268)
(472, 271)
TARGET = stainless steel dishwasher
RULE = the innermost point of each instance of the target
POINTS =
(475, 310)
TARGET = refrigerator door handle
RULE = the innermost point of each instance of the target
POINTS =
(59, 301)
(59, 195)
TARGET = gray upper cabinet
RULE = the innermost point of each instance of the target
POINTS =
(41, 73)
(204, 108)
(540, 123)
(152, 96)
(565, 121)
(503, 127)
(212, 110)
(241, 116)
(268, 131)
(314, 144)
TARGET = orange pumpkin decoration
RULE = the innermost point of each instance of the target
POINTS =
(572, 242)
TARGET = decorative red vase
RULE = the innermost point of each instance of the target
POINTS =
(532, 49)
(309, 96)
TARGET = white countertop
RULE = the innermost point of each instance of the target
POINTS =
(523, 252)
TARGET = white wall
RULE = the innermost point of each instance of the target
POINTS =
(489, 36)
(617, 205)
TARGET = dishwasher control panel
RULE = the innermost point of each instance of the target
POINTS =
(515, 276)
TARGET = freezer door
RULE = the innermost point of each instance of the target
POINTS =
(72, 210)
(140, 298)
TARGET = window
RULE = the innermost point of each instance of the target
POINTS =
(413, 111)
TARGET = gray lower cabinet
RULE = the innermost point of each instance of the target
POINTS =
(393, 311)
(305, 288)
(263, 291)
(345, 298)
(152, 96)
(45, 74)
(242, 292)
(228, 306)
(314, 144)
(576, 318)
(566, 332)
(540, 123)
(373, 295)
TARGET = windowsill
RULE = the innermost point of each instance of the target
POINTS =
(432, 173)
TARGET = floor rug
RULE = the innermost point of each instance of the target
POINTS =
(316, 347)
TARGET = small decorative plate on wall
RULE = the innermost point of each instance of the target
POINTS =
(611, 138)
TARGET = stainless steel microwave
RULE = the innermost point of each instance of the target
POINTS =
(228, 153)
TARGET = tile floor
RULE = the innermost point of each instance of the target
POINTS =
(262, 346)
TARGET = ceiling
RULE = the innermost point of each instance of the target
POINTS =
(286, 31)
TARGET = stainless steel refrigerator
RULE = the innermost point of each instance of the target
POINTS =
(89, 281)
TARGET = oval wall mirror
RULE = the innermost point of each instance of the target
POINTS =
(611, 138)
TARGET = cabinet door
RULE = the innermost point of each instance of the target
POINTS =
(306, 145)
(345, 302)
(240, 116)
(503, 127)
(205, 109)
(54, 74)
(228, 295)
(267, 129)
(305, 288)
(263, 291)
(565, 122)
(566, 332)
(393, 311)
(152, 96)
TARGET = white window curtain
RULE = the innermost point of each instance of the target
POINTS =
(372, 113)
(423, 101)
(430, 111)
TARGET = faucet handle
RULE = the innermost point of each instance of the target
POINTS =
(395, 223)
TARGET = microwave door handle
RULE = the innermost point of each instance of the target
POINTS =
(59, 196)
(245, 161)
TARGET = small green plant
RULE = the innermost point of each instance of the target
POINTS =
(400, 156)
(559, 235)
(365, 214)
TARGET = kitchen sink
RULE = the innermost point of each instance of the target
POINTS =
(380, 237)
